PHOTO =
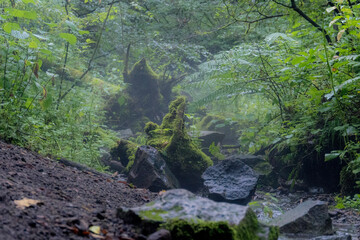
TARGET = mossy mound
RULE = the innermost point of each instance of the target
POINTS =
(139, 103)
(183, 157)
(124, 152)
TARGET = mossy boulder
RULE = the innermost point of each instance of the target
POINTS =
(124, 153)
(183, 157)
(190, 217)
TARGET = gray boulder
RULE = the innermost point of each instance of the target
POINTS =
(310, 219)
(182, 212)
(230, 181)
(258, 163)
(150, 171)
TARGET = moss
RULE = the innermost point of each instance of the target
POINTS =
(199, 230)
(274, 233)
(154, 214)
(183, 157)
(150, 126)
(175, 106)
(248, 228)
(124, 152)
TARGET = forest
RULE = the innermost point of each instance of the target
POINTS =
(102, 84)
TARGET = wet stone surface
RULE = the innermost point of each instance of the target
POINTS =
(269, 204)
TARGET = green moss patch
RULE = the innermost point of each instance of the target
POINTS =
(181, 229)
(183, 157)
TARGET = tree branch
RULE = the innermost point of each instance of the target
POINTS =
(306, 17)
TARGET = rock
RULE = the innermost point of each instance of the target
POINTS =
(190, 217)
(150, 171)
(258, 163)
(230, 181)
(209, 137)
(267, 176)
(309, 218)
(125, 133)
(161, 234)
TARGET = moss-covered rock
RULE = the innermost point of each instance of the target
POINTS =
(183, 157)
(190, 217)
(124, 152)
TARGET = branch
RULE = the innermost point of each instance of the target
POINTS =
(307, 18)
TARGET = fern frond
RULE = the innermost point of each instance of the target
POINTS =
(276, 36)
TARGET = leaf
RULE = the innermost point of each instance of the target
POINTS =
(33, 44)
(339, 35)
(95, 229)
(19, 35)
(28, 1)
(46, 51)
(275, 36)
(36, 70)
(26, 202)
(70, 38)
(8, 27)
(331, 156)
(47, 102)
(297, 60)
(83, 32)
(334, 20)
(21, 14)
(330, 9)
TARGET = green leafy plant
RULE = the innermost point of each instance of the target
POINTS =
(348, 202)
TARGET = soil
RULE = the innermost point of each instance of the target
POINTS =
(70, 199)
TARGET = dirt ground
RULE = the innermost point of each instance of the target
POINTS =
(69, 203)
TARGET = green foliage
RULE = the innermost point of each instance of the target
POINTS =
(306, 90)
(348, 202)
(33, 111)
(215, 151)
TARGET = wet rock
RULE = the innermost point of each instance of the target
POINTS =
(267, 177)
(150, 171)
(230, 181)
(125, 133)
(309, 218)
(182, 212)
(209, 137)
(161, 234)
